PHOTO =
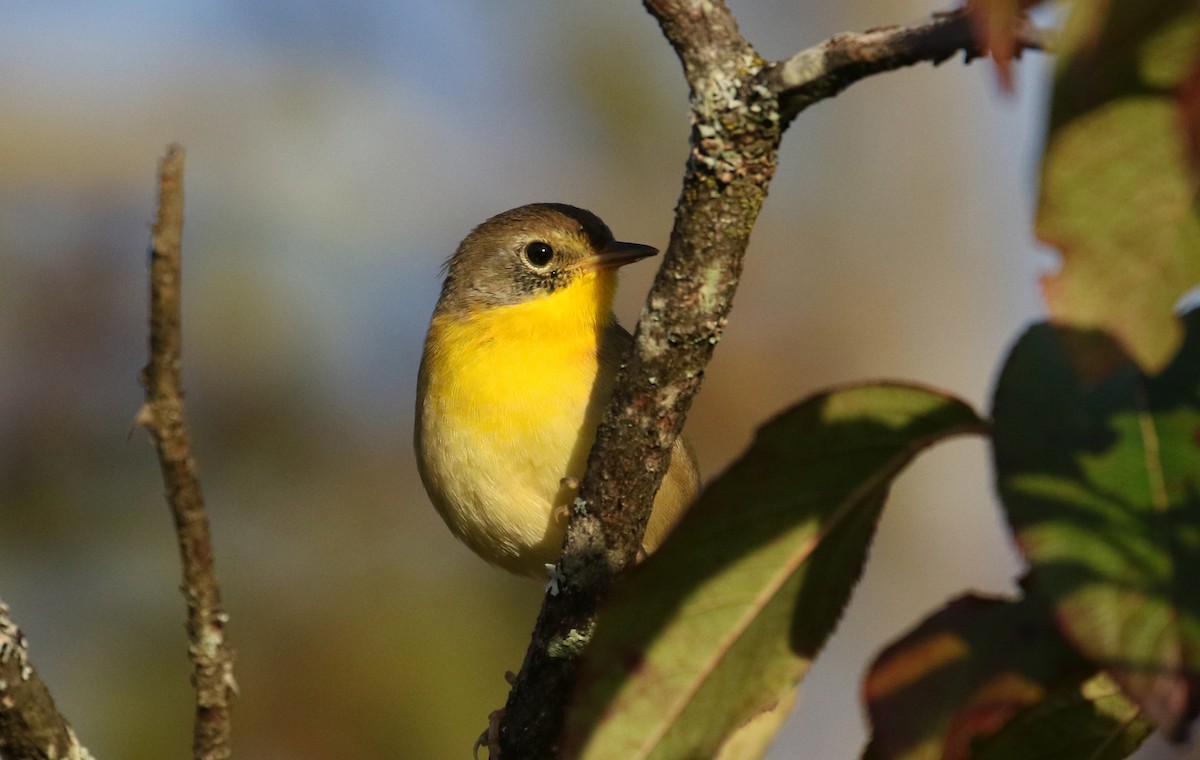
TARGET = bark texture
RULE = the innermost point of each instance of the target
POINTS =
(31, 728)
(163, 416)
(740, 107)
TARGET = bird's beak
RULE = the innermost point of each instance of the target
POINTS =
(616, 254)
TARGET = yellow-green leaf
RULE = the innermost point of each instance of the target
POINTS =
(1118, 196)
(720, 623)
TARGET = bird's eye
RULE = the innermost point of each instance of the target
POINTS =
(538, 253)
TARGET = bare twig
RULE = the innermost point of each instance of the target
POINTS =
(824, 70)
(31, 728)
(740, 105)
(163, 416)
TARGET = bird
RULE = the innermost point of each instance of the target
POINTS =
(518, 366)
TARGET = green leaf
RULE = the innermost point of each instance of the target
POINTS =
(1118, 193)
(1101, 483)
(981, 666)
(1086, 719)
(720, 623)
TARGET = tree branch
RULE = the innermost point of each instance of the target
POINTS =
(163, 416)
(740, 107)
(824, 70)
(733, 155)
(31, 727)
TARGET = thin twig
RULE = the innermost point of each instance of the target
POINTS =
(163, 416)
(31, 727)
(824, 70)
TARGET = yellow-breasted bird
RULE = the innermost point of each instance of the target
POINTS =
(519, 364)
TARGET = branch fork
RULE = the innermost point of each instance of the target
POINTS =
(741, 105)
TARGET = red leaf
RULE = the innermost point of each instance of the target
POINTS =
(1189, 113)
(996, 24)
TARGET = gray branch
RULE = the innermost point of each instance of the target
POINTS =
(824, 70)
(31, 727)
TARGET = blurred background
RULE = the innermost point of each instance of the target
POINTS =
(337, 152)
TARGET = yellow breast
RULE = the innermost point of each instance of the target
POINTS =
(508, 401)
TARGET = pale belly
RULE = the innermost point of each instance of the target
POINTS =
(497, 439)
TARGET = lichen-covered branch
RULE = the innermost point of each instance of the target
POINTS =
(163, 416)
(31, 728)
(824, 70)
(740, 107)
(735, 136)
